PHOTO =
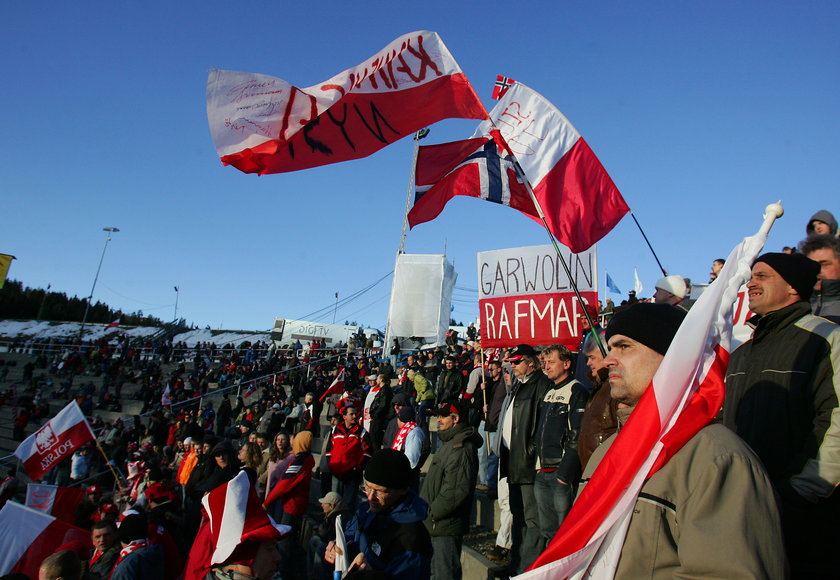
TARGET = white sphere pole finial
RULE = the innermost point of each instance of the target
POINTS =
(775, 209)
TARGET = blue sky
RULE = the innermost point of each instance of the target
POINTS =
(702, 113)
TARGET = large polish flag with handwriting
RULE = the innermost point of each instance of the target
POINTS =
(685, 395)
(580, 201)
(27, 536)
(263, 124)
(57, 439)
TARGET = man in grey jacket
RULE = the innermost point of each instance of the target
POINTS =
(449, 488)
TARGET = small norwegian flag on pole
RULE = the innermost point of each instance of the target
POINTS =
(501, 86)
(57, 439)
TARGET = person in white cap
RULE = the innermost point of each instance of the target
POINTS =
(670, 290)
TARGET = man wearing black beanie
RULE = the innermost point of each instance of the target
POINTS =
(709, 511)
(781, 398)
(387, 534)
(138, 559)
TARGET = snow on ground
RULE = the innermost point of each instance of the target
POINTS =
(29, 329)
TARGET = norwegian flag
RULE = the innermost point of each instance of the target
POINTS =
(251, 389)
(501, 86)
(57, 439)
(684, 396)
(336, 387)
(475, 168)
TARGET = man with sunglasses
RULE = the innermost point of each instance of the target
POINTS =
(517, 453)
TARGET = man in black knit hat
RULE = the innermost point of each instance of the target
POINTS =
(387, 534)
(782, 399)
(709, 511)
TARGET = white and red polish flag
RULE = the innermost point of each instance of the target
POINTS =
(336, 387)
(27, 536)
(580, 201)
(166, 397)
(59, 502)
(684, 396)
(57, 439)
(235, 515)
(263, 124)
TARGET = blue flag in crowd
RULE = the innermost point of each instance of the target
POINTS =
(611, 285)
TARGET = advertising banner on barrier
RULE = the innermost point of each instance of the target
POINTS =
(525, 296)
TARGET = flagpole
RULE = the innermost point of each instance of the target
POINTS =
(521, 174)
(655, 257)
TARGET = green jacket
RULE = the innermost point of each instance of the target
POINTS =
(450, 482)
(423, 388)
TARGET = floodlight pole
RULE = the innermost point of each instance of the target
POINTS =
(95, 278)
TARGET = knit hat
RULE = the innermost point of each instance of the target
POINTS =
(133, 527)
(795, 269)
(406, 414)
(674, 284)
(653, 325)
(389, 468)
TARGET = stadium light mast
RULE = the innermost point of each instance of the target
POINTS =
(95, 278)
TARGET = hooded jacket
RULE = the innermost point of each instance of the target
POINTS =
(824, 216)
(450, 482)
(396, 543)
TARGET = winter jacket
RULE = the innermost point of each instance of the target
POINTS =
(781, 398)
(450, 482)
(347, 451)
(395, 543)
(143, 563)
(449, 385)
(826, 301)
(598, 422)
(293, 488)
(709, 512)
(558, 428)
(518, 462)
(423, 388)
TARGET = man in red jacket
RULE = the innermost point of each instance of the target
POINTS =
(347, 452)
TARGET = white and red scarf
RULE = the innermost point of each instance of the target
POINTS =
(131, 547)
(399, 440)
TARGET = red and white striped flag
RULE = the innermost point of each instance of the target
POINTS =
(236, 515)
(58, 438)
(59, 502)
(684, 396)
(115, 324)
(336, 387)
(580, 201)
(263, 124)
(27, 536)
